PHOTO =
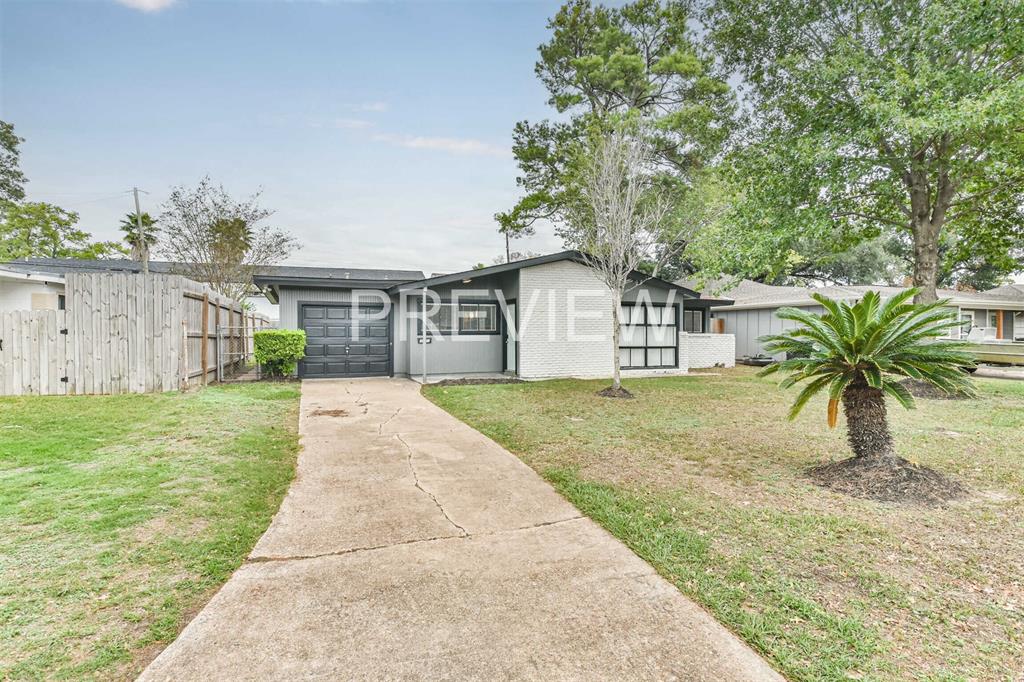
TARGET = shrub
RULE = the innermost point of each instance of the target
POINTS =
(278, 350)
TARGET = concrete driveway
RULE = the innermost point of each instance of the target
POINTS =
(411, 546)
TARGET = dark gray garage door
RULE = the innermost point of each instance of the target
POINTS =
(345, 341)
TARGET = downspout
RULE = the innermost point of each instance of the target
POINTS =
(423, 336)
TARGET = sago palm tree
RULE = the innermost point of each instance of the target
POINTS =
(859, 354)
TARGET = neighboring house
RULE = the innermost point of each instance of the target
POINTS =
(62, 266)
(25, 289)
(994, 315)
(548, 316)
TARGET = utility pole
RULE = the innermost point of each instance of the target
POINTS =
(508, 249)
(141, 235)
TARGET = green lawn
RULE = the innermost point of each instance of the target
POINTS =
(121, 515)
(702, 476)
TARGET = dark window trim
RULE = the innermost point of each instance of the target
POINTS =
(694, 311)
(675, 348)
(499, 318)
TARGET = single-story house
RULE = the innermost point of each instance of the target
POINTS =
(30, 289)
(542, 317)
(996, 315)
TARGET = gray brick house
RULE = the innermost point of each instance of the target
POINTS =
(542, 317)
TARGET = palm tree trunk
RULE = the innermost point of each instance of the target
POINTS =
(867, 427)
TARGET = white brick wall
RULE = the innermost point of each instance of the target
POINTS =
(554, 343)
(707, 350)
(565, 328)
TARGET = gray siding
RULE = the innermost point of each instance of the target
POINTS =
(748, 325)
(290, 298)
(463, 354)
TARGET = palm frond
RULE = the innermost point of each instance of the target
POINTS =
(872, 343)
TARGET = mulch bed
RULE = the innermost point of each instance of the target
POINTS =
(922, 389)
(614, 393)
(891, 479)
(477, 382)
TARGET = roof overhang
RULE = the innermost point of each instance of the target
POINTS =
(21, 275)
(271, 286)
(708, 303)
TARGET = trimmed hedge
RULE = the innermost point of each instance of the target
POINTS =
(279, 350)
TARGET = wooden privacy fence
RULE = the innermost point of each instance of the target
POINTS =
(124, 333)
(33, 352)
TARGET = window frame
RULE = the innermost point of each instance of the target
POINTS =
(700, 318)
(645, 326)
(457, 319)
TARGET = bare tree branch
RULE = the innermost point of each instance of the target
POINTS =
(218, 240)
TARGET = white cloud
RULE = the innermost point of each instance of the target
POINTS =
(453, 145)
(372, 106)
(147, 5)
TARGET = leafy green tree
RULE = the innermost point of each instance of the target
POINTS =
(603, 65)
(858, 354)
(40, 230)
(139, 243)
(963, 263)
(868, 118)
(221, 239)
(11, 177)
(869, 262)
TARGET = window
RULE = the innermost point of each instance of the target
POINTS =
(441, 318)
(470, 318)
(966, 322)
(693, 321)
(478, 317)
(648, 337)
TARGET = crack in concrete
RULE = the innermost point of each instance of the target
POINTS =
(380, 429)
(414, 541)
(342, 552)
(416, 482)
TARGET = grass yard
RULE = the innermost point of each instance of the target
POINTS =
(702, 476)
(121, 515)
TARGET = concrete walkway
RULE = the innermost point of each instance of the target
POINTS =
(411, 546)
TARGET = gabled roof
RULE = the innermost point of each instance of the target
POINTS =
(730, 288)
(1012, 291)
(527, 263)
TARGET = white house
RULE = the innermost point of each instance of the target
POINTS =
(22, 289)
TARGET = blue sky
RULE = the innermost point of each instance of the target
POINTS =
(379, 132)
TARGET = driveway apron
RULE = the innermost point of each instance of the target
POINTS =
(412, 546)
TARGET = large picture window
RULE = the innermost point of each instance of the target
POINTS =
(649, 337)
(463, 318)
